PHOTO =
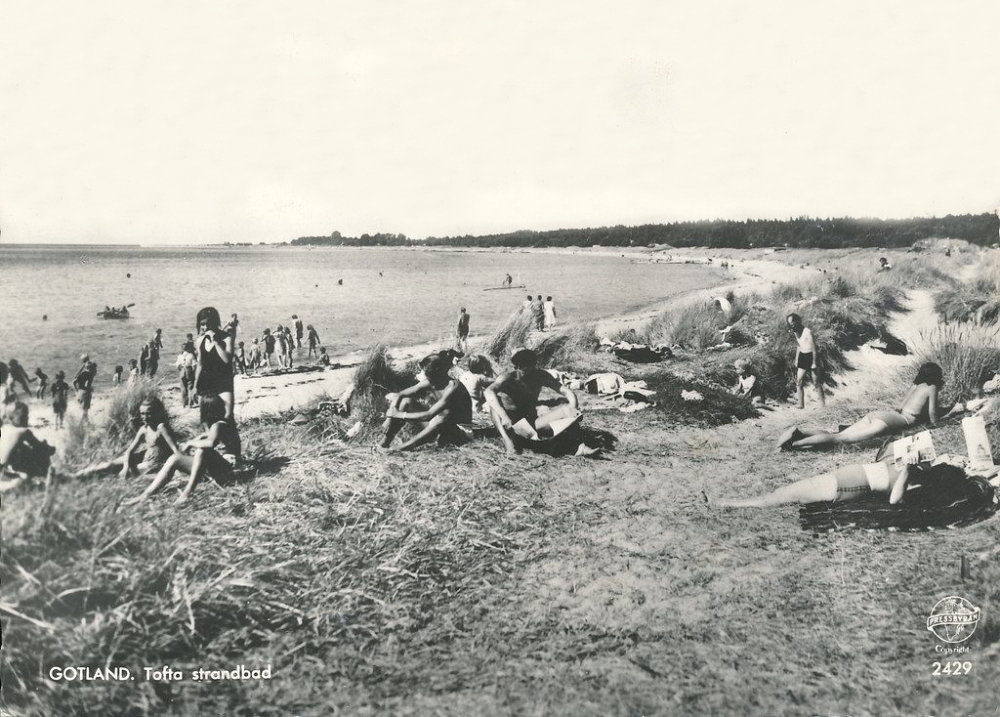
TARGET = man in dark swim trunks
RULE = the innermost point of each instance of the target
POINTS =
(514, 396)
(439, 403)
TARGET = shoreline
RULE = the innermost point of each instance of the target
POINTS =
(268, 394)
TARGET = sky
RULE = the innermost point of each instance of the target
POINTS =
(201, 122)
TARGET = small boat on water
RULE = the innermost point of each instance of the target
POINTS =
(121, 313)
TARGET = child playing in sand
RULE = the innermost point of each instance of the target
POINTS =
(153, 433)
(60, 394)
(43, 382)
(312, 338)
(217, 452)
(22, 455)
(440, 404)
(747, 384)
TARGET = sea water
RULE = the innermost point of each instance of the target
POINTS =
(51, 295)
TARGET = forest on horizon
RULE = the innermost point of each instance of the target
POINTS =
(982, 229)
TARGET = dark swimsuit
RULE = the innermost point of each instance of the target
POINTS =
(216, 375)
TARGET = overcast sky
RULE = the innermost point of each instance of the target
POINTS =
(209, 121)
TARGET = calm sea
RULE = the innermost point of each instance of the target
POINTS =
(50, 296)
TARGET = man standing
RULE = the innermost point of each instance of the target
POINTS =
(538, 312)
(463, 330)
(298, 330)
(149, 359)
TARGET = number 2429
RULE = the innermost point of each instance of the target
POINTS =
(952, 668)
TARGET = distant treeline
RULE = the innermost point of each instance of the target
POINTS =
(802, 232)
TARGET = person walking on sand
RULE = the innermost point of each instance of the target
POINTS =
(253, 356)
(538, 312)
(60, 392)
(268, 343)
(84, 384)
(240, 360)
(17, 375)
(806, 357)
(299, 331)
(463, 329)
(43, 382)
(186, 365)
(549, 309)
(149, 359)
(312, 338)
(280, 345)
(508, 280)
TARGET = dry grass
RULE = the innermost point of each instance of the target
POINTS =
(968, 355)
(510, 335)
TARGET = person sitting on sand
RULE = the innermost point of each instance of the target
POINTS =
(805, 360)
(920, 404)
(520, 389)
(153, 433)
(60, 392)
(747, 384)
(217, 452)
(21, 453)
(845, 484)
(476, 379)
(440, 404)
(312, 338)
(324, 358)
(214, 350)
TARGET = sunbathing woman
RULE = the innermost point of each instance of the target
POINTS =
(439, 403)
(216, 452)
(921, 402)
(847, 483)
(159, 444)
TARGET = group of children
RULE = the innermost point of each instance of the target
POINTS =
(275, 349)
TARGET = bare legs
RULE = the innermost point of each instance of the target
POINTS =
(800, 388)
(822, 488)
(204, 460)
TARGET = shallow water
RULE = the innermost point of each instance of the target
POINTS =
(51, 295)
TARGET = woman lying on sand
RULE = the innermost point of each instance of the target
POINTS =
(920, 403)
(216, 452)
(440, 404)
(154, 431)
(847, 483)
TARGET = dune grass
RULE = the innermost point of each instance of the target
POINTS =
(969, 355)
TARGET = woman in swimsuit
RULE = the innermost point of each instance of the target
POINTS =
(154, 431)
(805, 359)
(214, 348)
(216, 452)
(842, 484)
(920, 401)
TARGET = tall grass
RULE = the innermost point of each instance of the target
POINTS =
(967, 354)
(374, 379)
(513, 333)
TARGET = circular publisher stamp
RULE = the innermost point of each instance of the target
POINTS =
(953, 619)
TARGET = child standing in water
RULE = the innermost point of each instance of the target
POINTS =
(60, 394)
(312, 339)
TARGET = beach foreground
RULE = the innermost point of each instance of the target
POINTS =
(472, 582)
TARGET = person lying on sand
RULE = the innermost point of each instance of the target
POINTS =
(216, 452)
(845, 484)
(22, 455)
(920, 404)
(156, 437)
(440, 404)
(520, 390)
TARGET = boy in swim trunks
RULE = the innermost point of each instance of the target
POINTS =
(520, 390)
(440, 404)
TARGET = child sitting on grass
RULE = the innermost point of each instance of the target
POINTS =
(217, 452)
(440, 404)
(154, 431)
(747, 384)
(21, 453)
